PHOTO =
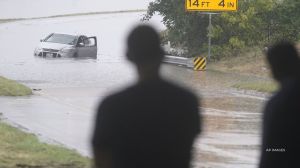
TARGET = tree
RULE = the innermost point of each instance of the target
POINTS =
(256, 23)
(182, 26)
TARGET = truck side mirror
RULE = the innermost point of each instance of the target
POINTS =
(81, 44)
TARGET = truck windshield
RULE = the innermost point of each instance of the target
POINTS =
(61, 38)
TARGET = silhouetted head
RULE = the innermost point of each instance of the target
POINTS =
(143, 46)
(144, 50)
(284, 61)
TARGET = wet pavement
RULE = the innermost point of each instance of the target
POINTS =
(231, 139)
(63, 110)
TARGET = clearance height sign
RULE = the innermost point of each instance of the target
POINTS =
(211, 5)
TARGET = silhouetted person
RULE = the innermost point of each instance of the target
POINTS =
(281, 123)
(151, 124)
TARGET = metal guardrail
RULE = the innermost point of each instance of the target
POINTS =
(187, 62)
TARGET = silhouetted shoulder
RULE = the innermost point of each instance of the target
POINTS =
(159, 87)
(152, 120)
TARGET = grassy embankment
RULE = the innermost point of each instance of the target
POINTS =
(252, 64)
(12, 88)
(23, 150)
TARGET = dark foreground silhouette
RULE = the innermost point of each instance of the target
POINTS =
(281, 131)
(151, 124)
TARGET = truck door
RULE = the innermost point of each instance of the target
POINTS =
(87, 47)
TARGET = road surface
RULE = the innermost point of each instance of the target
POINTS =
(63, 111)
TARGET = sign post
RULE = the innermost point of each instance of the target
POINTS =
(209, 36)
(209, 6)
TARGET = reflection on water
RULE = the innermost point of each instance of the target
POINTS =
(73, 72)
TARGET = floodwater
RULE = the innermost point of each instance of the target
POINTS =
(33, 8)
(63, 110)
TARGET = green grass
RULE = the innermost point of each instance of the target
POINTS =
(251, 63)
(12, 88)
(8, 20)
(261, 86)
(19, 149)
(251, 71)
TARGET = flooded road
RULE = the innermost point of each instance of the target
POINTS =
(63, 110)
